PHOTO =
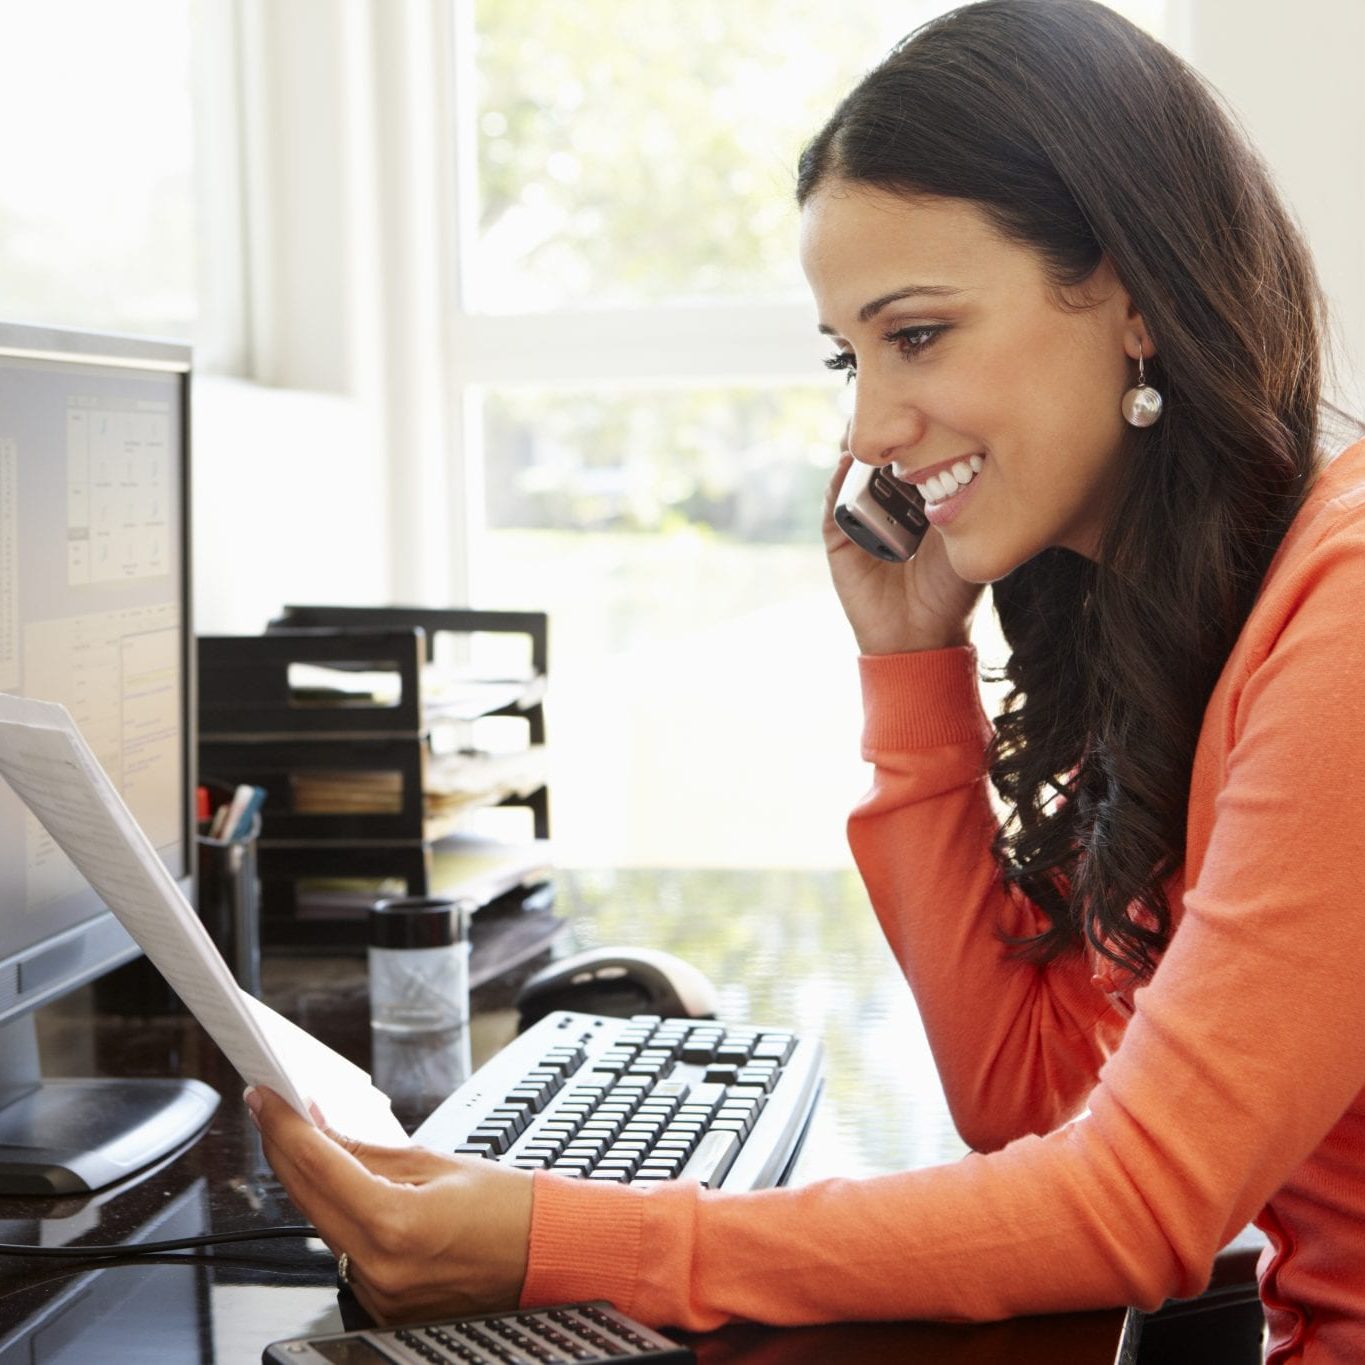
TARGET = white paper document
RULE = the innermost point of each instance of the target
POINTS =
(47, 762)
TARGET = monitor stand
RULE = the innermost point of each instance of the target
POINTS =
(62, 1137)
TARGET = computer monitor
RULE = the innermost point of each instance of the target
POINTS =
(95, 614)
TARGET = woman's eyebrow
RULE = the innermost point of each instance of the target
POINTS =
(870, 310)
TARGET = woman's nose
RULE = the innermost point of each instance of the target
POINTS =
(884, 424)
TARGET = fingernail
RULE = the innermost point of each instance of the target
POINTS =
(252, 1097)
(318, 1117)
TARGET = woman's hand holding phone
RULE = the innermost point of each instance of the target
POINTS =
(893, 607)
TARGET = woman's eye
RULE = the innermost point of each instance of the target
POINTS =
(910, 341)
(842, 360)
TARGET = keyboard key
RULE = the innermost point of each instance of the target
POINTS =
(706, 1096)
(746, 1092)
(654, 1115)
(476, 1149)
(563, 1060)
(538, 1143)
(589, 1086)
(558, 1130)
(676, 1091)
(517, 1118)
(659, 1170)
(742, 1036)
(776, 1046)
(496, 1138)
(711, 1162)
(685, 1132)
(586, 1151)
(596, 1130)
(666, 1108)
(734, 1053)
(739, 1127)
(643, 1129)
(673, 1151)
(750, 1076)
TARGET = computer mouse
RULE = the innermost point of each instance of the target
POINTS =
(618, 982)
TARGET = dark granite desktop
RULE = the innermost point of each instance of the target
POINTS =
(796, 949)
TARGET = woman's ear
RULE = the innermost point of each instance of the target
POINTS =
(1137, 339)
(1103, 289)
(1137, 336)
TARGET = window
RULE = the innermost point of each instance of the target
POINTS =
(648, 429)
(119, 208)
(97, 220)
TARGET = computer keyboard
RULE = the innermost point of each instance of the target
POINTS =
(586, 1333)
(638, 1100)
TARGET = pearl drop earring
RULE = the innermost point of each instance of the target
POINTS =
(1141, 405)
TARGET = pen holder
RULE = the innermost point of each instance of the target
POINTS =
(230, 902)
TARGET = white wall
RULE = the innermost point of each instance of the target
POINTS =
(1292, 72)
(332, 464)
(287, 494)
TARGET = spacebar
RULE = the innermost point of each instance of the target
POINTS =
(711, 1162)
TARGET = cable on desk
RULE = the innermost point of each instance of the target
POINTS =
(125, 1250)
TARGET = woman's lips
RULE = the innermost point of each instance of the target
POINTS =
(942, 512)
(941, 483)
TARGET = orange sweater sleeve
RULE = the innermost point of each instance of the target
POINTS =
(1242, 1055)
(1026, 1053)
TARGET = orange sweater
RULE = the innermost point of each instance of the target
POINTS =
(1120, 1139)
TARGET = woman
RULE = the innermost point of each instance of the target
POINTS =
(1144, 988)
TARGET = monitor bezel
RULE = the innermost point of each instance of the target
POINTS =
(101, 934)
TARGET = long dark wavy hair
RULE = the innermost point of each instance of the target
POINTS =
(1081, 137)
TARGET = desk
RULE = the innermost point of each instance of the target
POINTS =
(786, 948)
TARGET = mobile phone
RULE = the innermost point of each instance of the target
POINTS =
(880, 513)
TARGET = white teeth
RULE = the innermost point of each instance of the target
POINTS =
(946, 482)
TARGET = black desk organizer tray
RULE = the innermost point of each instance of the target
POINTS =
(255, 726)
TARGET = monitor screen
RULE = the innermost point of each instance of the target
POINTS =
(93, 614)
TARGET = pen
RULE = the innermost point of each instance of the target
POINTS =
(241, 827)
(245, 802)
(219, 820)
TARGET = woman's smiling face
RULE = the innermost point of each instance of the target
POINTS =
(967, 356)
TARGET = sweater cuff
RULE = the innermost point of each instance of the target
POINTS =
(566, 1266)
(920, 700)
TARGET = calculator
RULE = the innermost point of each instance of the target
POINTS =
(587, 1333)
